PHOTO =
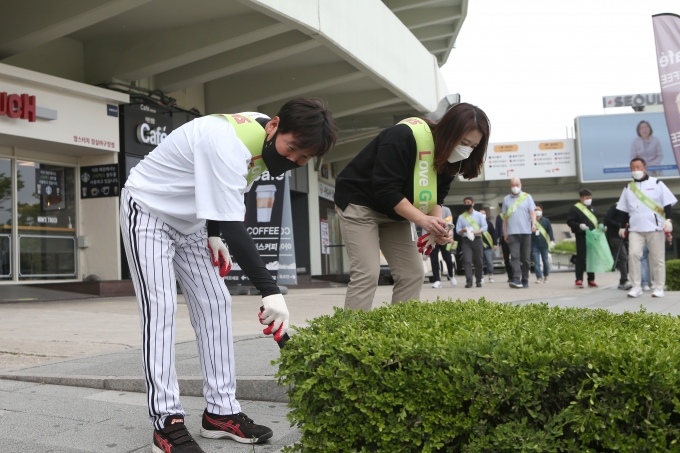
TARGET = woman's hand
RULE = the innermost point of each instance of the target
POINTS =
(435, 226)
(444, 239)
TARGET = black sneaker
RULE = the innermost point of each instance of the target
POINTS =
(174, 438)
(237, 427)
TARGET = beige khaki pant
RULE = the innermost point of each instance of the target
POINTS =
(365, 233)
(656, 261)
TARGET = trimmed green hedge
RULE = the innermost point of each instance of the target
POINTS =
(673, 275)
(485, 377)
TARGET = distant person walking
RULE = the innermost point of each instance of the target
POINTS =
(505, 250)
(489, 243)
(616, 222)
(471, 225)
(541, 243)
(649, 204)
(445, 250)
(580, 218)
(519, 223)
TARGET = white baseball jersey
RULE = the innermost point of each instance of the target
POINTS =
(642, 218)
(198, 172)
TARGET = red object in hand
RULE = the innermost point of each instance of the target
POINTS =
(280, 339)
(218, 259)
(426, 243)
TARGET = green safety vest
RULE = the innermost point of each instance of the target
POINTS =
(424, 175)
(544, 233)
(252, 134)
(651, 204)
(587, 213)
(476, 226)
(511, 210)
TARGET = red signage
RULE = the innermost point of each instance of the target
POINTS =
(18, 106)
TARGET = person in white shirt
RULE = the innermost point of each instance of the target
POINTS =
(649, 204)
(199, 174)
(471, 225)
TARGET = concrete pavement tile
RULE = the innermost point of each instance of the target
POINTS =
(72, 409)
(25, 427)
(128, 398)
(12, 386)
(59, 391)
(13, 446)
(124, 432)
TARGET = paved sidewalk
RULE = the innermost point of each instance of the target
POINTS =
(37, 418)
(96, 403)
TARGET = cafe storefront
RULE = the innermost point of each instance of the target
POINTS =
(50, 130)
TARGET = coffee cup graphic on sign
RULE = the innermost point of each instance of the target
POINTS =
(265, 196)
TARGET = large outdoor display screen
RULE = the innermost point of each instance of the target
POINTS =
(607, 143)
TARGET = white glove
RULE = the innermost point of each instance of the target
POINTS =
(622, 233)
(219, 254)
(552, 244)
(275, 316)
(426, 243)
(470, 235)
(668, 226)
(583, 227)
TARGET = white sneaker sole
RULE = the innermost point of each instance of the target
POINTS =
(218, 434)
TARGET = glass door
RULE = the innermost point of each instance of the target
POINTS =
(46, 213)
(336, 245)
(6, 204)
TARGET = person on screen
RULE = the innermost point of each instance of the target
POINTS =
(646, 146)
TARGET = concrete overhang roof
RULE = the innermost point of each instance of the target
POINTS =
(373, 61)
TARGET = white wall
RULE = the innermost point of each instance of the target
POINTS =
(81, 110)
(377, 42)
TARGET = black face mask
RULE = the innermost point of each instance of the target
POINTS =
(275, 162)
(467, 207)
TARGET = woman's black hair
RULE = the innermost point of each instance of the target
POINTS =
(648, 125)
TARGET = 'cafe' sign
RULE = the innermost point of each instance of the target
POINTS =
(18, 106)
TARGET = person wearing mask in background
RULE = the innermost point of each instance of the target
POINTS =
(500, 242)
(445, 250)
(471, 225)
(580, 218)
(399, 179)
(646, 146)
(489, 243)
(649, 204)
(541, 243)
(617, 221)
(519, 223)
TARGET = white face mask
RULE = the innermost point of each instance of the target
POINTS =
(460, 152)
(516, 190)
(638, 174)
(539, 213)
(588, 202)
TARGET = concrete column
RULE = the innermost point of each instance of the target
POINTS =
(314, 227)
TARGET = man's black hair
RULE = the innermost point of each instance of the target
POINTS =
(310, 122)
(585, 193)
(468, 198)
(539, 206)
(638, 159)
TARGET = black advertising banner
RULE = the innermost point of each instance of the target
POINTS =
(667, 37)
(264, 208)
(143, 128)
(99, 181)
(48, 182)
(287, 265)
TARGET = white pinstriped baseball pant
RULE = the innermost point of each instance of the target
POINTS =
(158, 254)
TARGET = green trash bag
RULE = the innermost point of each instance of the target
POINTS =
(598, 256)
